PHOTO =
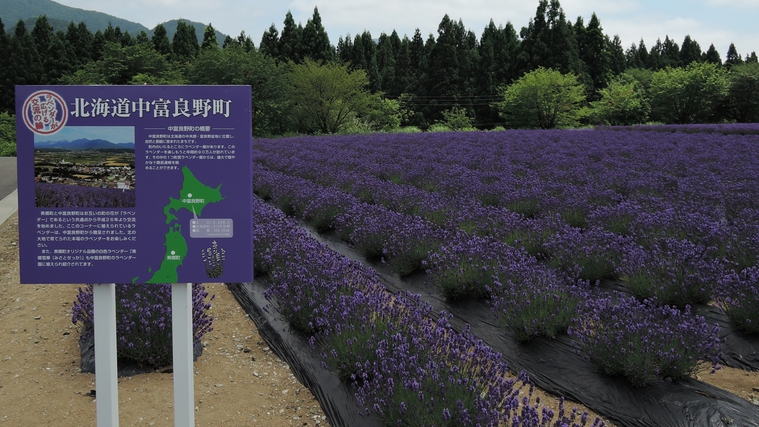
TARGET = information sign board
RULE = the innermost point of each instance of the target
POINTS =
(134, 184)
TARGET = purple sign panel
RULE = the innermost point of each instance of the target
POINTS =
(134, 184)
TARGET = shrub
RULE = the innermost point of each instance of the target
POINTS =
(143, 320)
(642, 341)
(537, 304)
(674, 272)
(737, 294)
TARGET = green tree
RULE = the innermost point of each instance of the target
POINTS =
(122, 64)
(245, 42)
(743, 94)
(543, 98)
(290, 41)
(42, 34)
(209, 38)
(7, 134)
(328, 94)
(617, 61)
(315, 41)
(622, 102)
(451, 69)
(456, 118)
(142, 38)
(549, 41)
(234, 66)
(690, 51)
(6, 86)
(80, 38)
(733, 57)
(593, 52)
(184, 45)
(270, 43)
(712, 56)
(24, 65)
(59, 60)
(689, 94)
(497, 52)
(161, 41)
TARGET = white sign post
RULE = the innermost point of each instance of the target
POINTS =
(106, 366)
(181, 331)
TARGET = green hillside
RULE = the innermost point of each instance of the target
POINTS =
(59, 17)
(13, 10)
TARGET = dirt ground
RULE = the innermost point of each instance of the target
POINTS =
(238, 380)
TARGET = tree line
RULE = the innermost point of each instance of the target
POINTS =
(303, 84)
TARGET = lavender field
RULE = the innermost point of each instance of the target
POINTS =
(73, 196)
(613, 241)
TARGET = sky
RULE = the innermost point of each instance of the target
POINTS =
(718, 22)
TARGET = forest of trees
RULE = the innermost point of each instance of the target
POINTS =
(453, 79)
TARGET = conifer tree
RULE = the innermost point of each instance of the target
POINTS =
(98, 45)
(712, 56)
(161, 41)
(617, 62)
(142, 38)
(24, 65)
(548, 41)
(228, 41)
(80, 38)
(209, 38)
(42, 34)
(6, 85)
(245, 42)
(386, 64)
(670, 53)
(58, 60)
(184, 45)
(733, 57)
(315, 41)
(126, 39)
(270, 43)
(690, 51)
(344, 49)
(593, 53)
(289, 41)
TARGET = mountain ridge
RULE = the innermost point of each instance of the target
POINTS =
(28, 11)
(82, 144)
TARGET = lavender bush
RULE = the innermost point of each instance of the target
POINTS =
(642, 341)
(737, 294)
(143, 320)
(674, 272)
(532, 301)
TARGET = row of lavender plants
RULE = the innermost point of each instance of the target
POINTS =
(406, 366)
(529, 297)
(673, 251)
(75, 196)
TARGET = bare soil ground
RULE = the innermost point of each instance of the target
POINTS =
(238, 380)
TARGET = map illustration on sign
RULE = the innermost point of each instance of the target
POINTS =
(193, 197)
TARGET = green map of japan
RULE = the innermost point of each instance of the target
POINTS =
(193, 197)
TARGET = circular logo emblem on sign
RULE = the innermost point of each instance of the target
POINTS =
(45, 112)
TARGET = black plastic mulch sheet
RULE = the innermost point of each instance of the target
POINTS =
(555, 366)
(335, 397)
